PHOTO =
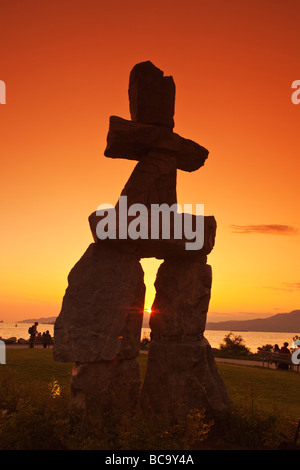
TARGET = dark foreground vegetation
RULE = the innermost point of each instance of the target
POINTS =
(34, 395)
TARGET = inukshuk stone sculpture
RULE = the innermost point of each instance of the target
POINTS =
(99, 326)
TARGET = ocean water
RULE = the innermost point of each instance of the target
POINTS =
(20, 330)
(252, 339)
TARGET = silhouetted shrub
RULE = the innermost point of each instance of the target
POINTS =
(234, 344)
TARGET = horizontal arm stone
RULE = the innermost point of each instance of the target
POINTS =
(159, 247)
(133, 140)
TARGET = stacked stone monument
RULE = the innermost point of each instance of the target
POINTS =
(99, 326)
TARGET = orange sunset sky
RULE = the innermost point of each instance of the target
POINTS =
(66, 66)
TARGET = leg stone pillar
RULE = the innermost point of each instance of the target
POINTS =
(99, 327)
(182, 374)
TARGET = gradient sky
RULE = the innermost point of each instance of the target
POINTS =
(66, 66)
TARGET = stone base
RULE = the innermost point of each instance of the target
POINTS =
(105, 388)
(183, 376)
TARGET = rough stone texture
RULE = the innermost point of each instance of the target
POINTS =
(107, 386)
(102, 310)
(182, 299)
(182, 374)
(153, 181)
(133, 141)
(151, 95)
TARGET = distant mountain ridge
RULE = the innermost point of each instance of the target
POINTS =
(281, 322)
(47, 320)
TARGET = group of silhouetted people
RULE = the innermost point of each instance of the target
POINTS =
(283, 350)
(46, 337)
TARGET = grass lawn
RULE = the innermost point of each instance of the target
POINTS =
(32, 371)
(29, 365)
(269, 389)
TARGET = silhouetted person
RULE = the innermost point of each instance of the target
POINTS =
(284, 350)
(33, 332)
(275, 350)
(46, 339)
